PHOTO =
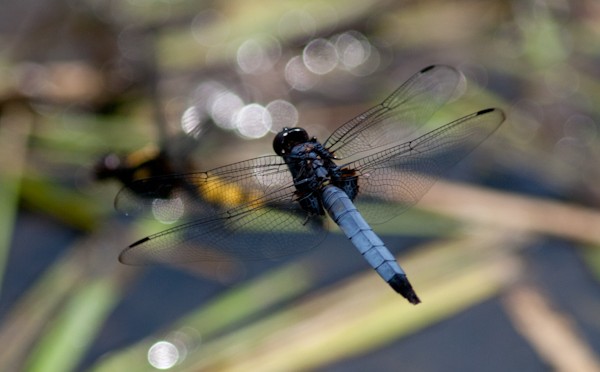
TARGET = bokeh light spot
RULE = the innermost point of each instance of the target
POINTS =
(257, 56)
(295, 22)
(253, 121)
(163, 355)
(298, 76)
(168, 211)
(210, 28)
(283, 114)
(525, 125)
(581, 127)
(571, 150)
(320, 56)
(352, 50)
(562, 80)
(191, 121)
(224, 109)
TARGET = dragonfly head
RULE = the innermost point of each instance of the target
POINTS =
(285, 140)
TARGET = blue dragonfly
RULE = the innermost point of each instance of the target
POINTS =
(274, 206)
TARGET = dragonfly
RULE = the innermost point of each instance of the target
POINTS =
(368, 171)
(174, 155)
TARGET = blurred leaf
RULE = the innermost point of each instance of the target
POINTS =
(15, 126)
(238, 304)
(33, 310)
(64, 309)
(361, 314)
(68, 337)
(311, 330)
(62, 203)
(591, 257)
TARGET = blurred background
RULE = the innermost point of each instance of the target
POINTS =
(503, 252)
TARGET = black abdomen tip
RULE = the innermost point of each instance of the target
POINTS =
(401, 285)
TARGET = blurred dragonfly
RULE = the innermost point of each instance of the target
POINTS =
(148, 161)
(256, 208)
(173, 156)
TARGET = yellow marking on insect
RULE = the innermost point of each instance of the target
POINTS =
(142, 155)
(229, 195)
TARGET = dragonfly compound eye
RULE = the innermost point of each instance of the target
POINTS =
(285, 140)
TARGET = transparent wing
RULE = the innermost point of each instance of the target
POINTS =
(179, 196)
(404, 111)
(394, 179)
(246, 210)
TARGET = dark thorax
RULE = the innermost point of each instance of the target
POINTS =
(312, 167)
